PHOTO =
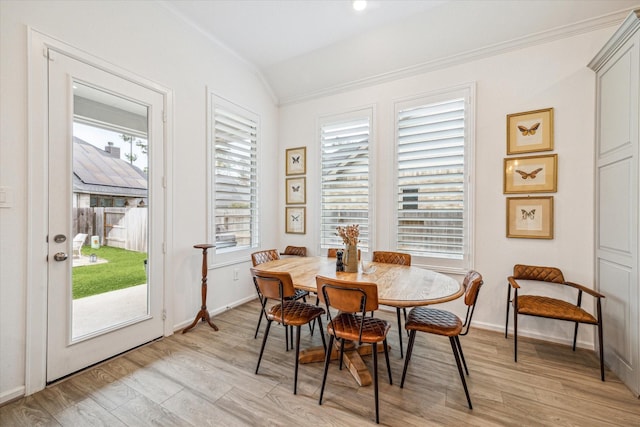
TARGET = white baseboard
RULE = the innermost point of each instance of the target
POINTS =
(534, 334)
(10, 395)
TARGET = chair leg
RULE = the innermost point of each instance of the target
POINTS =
(295, 374)
(386, 355)
(601, 345)
(341, 352)
(327, 358)
(264, 303)
(506, 323)
(464, 363)
(375, 379)
(515, 335)
(412, 338)
(291, 337)
(399, 331)
(264, 342)
(575, 336)
(404, 310)
(457, 357)
(286, 337)
(324, 344)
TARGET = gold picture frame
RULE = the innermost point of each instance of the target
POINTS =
(530, 131)
(296, 159)
(295, 220)
(530, 217)
(533, 174)
(296, 191)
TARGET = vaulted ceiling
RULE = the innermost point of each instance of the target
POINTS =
(305, 48)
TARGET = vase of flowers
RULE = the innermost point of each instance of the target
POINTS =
(349, 235)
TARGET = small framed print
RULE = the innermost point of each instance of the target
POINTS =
(530, 131)
(534, 174)
(295, 220)
(296, 191)
(296, 161)
(530, 217)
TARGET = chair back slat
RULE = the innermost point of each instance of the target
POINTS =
(471, 284)
(261, 257)
(347, 296)
(534, 272)
(274, 285)
(295, 250)
(386, 257)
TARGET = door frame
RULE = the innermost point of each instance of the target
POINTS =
(37, 196)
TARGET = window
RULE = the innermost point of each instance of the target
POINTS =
(433, 200)
(345, 177)
(234, 175)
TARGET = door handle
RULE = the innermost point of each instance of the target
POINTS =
(60, 256)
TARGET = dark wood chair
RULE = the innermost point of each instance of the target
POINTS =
(353, 300)
(551, 308)
(295, 251)
(400, 259)
(445, 323)
(289, 312)
(261, 257)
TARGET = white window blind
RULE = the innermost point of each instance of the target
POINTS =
(345, 179)
(235, 178)
(431, 211)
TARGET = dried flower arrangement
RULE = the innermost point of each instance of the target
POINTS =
(349, 234)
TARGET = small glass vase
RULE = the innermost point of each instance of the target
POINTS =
(351, 259)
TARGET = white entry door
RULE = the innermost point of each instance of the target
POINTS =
(105, 215)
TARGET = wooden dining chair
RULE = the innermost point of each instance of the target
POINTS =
(261, 257)
(398, 258)
(289, 312)
(445, 323)
(551, 308)
(353, 300)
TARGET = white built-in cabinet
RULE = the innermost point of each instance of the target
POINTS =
(617, 197)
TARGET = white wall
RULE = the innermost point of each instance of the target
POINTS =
(146, 39)
(549, 75)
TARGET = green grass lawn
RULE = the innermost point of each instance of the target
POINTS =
(124, 269)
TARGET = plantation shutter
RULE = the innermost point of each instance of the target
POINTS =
(431, 179)
(235, 172)
(345, 179)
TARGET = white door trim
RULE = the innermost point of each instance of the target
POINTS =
(37, 198)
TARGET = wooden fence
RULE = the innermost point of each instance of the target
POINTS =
(125, 228)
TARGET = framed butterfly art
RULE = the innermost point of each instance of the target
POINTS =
(296, 159)
(533, 174)
(295, 220)
(530, 131)
(296, 190)
(530, 217)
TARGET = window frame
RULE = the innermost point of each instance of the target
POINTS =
(466, 92)
(367, 112)
(230, 255)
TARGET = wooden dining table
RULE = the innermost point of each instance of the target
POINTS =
(398, 286)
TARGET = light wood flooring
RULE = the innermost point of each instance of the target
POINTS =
(207, 378)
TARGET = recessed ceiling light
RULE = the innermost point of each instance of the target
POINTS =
(359, 5)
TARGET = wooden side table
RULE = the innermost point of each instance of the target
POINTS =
(203, 314)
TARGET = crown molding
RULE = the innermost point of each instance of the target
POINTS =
(620, 37)
(548, 36)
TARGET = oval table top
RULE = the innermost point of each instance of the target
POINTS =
(398, 285)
